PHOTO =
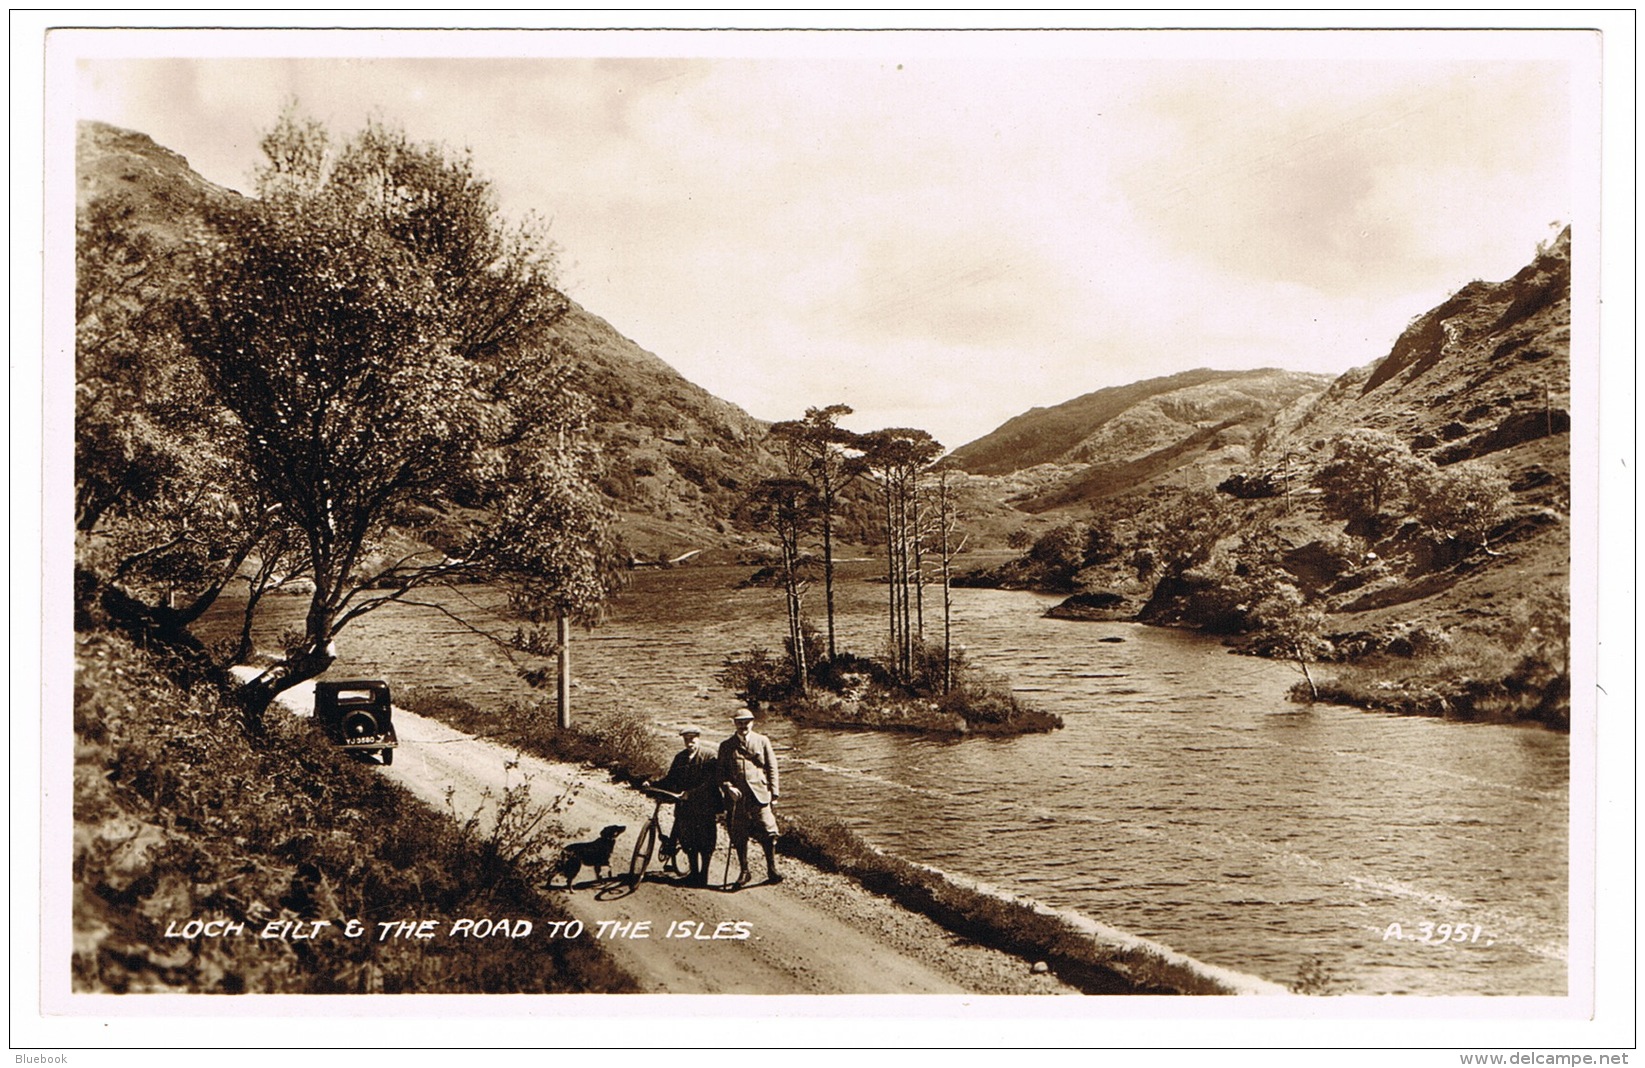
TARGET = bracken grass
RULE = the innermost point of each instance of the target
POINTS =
(1474, 679)
(622, 742)
(178, 817)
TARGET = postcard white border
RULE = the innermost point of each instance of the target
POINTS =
(1603, 518)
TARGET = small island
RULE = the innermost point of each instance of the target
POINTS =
(921, 684)
(854, 692)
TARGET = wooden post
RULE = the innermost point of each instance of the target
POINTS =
(563, 625)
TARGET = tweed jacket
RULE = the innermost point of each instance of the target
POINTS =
(751, 766)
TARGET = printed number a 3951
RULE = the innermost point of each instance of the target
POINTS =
(1434, 933)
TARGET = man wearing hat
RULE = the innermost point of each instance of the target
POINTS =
(695, 776)
(748, 775)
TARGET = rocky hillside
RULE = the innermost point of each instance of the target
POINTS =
(1486, 371)
(1480, 383)
(153, 185)
(676, 457)
(1413, 517)
(1116, 440)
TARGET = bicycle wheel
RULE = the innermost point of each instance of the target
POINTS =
(644, 847)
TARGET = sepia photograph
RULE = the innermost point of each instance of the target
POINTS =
(1076, 523)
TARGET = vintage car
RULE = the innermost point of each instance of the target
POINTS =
(357, 714)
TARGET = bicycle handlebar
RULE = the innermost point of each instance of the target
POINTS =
(662, 795)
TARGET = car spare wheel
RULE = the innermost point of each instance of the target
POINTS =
(359, 725)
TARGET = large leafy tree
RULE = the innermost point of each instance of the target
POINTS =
(165, 512)
(379, 334)
(125, 366)
(1181, 534)
(1464, 503)
(1367, 471)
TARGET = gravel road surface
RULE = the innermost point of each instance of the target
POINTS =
(816, 933)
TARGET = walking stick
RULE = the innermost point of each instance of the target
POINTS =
(730, 821)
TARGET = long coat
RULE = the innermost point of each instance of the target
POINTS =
(695, 773)
(750, 766)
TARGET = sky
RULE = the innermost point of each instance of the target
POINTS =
(944, 231)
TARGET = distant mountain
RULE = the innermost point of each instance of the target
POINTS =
(1114, 440)
(676, 458)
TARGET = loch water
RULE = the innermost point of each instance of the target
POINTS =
(1185, 800)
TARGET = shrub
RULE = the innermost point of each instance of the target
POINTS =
(288, 829)
(1248, 486)
(856, 691)
(1469, 676)
(1060, 552)
(1465, 503)
(848, 673)
(756, 678)
(624, 741)
(991, 708)
(1367, 470)
(621, 740)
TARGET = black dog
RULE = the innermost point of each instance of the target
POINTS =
(595, 854)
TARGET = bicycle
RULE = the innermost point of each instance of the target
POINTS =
(645, 846)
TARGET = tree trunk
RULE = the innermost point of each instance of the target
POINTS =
(919, 573)
(256, 696)
(947, 619)
(255, 590)
(562, 628)
(1302, 659)
(796, 626)
(802, 668)
(150, 626)
(891, 575)
(828, 570)
(906, 620)
(242, 651)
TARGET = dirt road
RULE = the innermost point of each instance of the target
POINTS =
(816, 933)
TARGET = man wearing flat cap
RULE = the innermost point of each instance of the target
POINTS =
(748, 776)
(695, 776)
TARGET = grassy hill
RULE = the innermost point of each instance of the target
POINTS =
(1133, 420)
(1163, 518)
(155, 185)
(676, 458)
(179, 817)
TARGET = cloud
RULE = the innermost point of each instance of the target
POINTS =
(985, 289)
(958, 237)
(1351, 178)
